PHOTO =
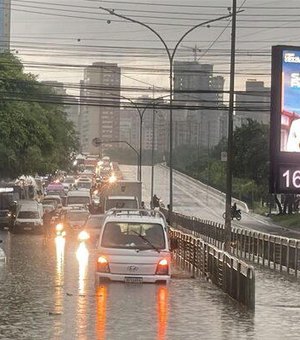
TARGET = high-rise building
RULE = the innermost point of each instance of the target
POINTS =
(5, 25)
(253, 103)
(193, 84)
(100, 105)
(198, 94)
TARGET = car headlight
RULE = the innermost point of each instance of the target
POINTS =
(112, 179)
(59, 227)
(83, 235)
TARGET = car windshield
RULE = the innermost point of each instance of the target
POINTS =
(52, 199)
(121, 203)
(59, 193)
(77, 215)
(133, 235)
(28, 214)
(85, 185)
(69, 180)
(78, 200)
(5, 200)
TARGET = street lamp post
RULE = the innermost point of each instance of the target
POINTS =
(227, 231)
(141, 111)
(171, 56)
(152, 153)
(141, 116)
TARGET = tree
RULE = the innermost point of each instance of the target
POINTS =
(251, 152)
(35, 135)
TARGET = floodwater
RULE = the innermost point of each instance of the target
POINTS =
(48, 292)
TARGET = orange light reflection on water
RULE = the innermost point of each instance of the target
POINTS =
(162, 311)
(101, 296)
(82, 256)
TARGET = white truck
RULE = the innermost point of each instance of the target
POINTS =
(121, 194)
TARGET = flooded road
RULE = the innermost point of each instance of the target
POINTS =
(48, 292)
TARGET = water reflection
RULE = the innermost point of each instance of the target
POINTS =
(162, 311)
(101, 296)
(59, 273)
(82, 255)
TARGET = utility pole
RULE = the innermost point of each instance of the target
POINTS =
(171, 56)
(153, 146)
(227, 241)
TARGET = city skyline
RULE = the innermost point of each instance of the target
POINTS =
(57, 42)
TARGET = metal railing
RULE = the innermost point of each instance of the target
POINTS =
(233, 276)
(275, 252)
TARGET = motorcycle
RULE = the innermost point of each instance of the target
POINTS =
(237, 215)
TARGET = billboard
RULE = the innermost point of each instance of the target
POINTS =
(285, 120)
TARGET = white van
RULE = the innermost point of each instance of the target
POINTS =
(78, 197)
(133, 246)
(29, 217)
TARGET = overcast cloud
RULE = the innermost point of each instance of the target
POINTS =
(56, 39)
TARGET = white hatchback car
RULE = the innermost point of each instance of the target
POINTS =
(133, 246)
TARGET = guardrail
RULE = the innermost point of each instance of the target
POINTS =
(233, 276)
(275, 252)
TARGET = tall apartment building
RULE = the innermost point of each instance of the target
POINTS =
(253, 103)
(100, 105)
(5, 6)
(192, 81)
(200, 94)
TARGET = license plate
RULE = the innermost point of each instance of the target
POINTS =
(27, 228)
(133, 279)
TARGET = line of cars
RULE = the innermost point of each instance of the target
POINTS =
(132, 244)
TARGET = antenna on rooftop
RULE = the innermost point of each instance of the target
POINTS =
(195, 51)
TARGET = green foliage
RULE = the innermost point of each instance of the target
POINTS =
(291, 221)
(250, 163)
(251, 152)
(35, 135)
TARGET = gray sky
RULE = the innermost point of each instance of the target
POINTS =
(57, 38)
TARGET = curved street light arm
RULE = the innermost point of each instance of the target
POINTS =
(171, 56)
(171, 59)
(199, 25)
(119, 141)
(140, 23)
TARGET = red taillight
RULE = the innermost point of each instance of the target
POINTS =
(162, 267)
(102, 265)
